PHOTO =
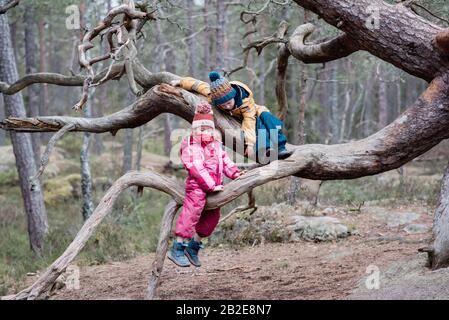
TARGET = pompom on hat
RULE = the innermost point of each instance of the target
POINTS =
(203, 116)
(221, 89)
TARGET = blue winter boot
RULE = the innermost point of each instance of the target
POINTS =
(177, 255)
(192, 252)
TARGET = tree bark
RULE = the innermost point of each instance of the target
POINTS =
(399, 36)
(31, 67)
(128, 151)
(335, 116)
(43, 92)
(86, 176)
(161, 251)
(2, 116)
(22, 146)
(383, 102)
(439, 255)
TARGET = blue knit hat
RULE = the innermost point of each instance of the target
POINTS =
(220, 88)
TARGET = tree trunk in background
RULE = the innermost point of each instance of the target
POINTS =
(348, 100)
(86, 176)
(43, 88)
(323, 98)
(139, 149)
(31, 67)
(168, 118)
(399, 96)
(334, 102)
(128, 151)
(439, 257)
(168, 61)
(206, 45)
(13, 32)
(383, 102)
(300, 134)
(303, 88)
(102, 95)
(191, 47)
(262, 65)
(22, 146)
(2, 116)
(367, 114)
(220, 36)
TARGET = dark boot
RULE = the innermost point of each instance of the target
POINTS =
(192, 249)
(177, 254)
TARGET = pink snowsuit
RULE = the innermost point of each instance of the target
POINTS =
(205, 164)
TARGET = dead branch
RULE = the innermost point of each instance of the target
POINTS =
(49, 149)
(161, 251)
(9, 5)
(250, 206)
(253, 14)
(115, 71)
(336, 48)
(260, 44)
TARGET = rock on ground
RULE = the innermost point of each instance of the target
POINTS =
(280, 223)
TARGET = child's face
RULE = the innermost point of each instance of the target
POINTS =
(228, 105)
(205, 133)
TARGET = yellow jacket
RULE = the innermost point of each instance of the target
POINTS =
(247, 112)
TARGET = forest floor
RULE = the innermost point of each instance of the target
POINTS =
(299, 270)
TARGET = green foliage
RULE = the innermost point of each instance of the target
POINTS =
(404, 190)
(9, 178)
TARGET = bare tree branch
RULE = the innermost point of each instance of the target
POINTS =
(115, 71)
(9, 5)
(336, 48)
(49, 149)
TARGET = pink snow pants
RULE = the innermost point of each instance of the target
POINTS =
(193, 218)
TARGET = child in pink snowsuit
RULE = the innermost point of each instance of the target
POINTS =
(206, 162)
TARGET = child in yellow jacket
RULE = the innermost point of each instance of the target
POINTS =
(262, 130)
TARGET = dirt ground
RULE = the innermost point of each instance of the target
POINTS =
(300, 270)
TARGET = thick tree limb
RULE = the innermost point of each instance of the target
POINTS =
(336, 48)
(420, 128)
(392, 33)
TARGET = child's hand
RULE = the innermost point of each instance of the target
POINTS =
(218, 188)
(249, 152)
(243, 172)
(175, 83)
